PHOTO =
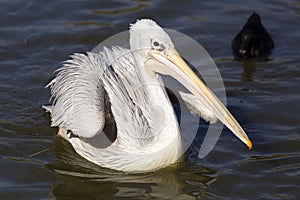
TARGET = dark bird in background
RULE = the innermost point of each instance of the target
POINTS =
(253, 41)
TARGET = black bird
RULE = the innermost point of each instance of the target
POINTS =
(253, 41)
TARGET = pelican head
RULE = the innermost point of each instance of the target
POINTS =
(155, 51)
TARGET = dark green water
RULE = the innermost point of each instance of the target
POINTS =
(36, 36)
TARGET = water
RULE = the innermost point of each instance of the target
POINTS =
(36, 36)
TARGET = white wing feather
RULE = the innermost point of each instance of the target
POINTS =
(79, 89)
(198, 107)
(79, 95)
(121, 86)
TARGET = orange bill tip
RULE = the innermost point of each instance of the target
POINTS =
(249, 144)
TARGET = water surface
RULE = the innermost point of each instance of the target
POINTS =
(36, 36)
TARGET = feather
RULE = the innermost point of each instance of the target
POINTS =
(48, 108)
(78, 95)
(198, 107)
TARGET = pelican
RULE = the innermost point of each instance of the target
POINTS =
(123, 88)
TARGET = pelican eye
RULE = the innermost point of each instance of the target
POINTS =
(156, 45)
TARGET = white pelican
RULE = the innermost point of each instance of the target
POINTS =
(123, 87)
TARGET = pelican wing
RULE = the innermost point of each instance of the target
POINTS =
(82, 87)
(198, 107)
(121, 82)
(78, 95)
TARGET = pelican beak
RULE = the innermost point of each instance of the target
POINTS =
(172, 64)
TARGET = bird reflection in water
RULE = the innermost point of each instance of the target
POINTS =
(249, 69)
(85, 180)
